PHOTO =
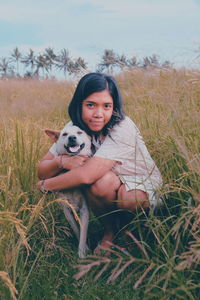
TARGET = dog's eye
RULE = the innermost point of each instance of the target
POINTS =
(64, 134)
(79, 132)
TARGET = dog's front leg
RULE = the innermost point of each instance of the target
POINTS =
(70, 218)
(84, 217)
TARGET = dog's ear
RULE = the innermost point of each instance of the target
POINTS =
(53, 134)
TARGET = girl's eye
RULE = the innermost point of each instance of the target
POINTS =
(90, 105)
(108, 105)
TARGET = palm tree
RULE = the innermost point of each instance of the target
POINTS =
(132, 62)
(29, 59)
(146, 62)
(154, 60)
(16, 55)
(5, 67)
(41, 63)
(64, 62)
(122, 61)
(109, 61)
(151, 61)
(167, 64)
(50, 57)
(79, 66)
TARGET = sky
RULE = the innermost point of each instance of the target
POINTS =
(168, 28)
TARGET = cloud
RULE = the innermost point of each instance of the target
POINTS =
(87, 27)
(22, 11)
(145, 8)
(40, 11)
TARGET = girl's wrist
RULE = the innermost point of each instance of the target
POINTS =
(63, 162)
(42, 186)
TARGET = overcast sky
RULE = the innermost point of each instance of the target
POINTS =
(169, 28)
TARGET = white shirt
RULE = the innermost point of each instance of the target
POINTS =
(125, 145)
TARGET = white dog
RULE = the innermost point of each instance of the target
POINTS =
(74, 141)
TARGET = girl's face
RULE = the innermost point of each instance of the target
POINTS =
(97, 110)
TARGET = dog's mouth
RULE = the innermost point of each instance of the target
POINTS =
(74, 149)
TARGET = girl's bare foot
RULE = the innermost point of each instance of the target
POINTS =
(105, 244)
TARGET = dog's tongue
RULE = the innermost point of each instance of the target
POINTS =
(74, 149)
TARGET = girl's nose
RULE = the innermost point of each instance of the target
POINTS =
(98, 112)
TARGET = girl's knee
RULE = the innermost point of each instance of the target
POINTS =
(132, 200)
(106, 185)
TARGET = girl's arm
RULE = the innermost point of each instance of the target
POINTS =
(92, 170)
(51, 165)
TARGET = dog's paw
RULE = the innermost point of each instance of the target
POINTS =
(83, 252)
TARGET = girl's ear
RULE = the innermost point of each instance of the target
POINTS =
(53, 134)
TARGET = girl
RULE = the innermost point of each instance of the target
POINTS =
(121, 174)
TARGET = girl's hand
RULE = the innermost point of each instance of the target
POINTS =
(71, 162)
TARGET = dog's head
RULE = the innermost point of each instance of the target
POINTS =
(71, 140)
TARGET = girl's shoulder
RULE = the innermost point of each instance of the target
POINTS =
(126, 126)
(128, 122)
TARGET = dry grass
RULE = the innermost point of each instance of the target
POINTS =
(165, 105)
(9, 284)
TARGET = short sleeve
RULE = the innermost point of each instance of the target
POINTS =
(125, 145)
(53, 149)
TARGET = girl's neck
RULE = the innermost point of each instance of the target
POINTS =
(97, 135)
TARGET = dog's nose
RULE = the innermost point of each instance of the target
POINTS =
(72, 138)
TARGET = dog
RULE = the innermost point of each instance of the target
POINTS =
(74, 141)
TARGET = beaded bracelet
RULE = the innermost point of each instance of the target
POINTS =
(42, 188)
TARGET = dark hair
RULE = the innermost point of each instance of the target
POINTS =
(89, 84)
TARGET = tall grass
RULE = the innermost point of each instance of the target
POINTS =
(37, 253)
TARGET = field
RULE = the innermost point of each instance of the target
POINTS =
(38, 258)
